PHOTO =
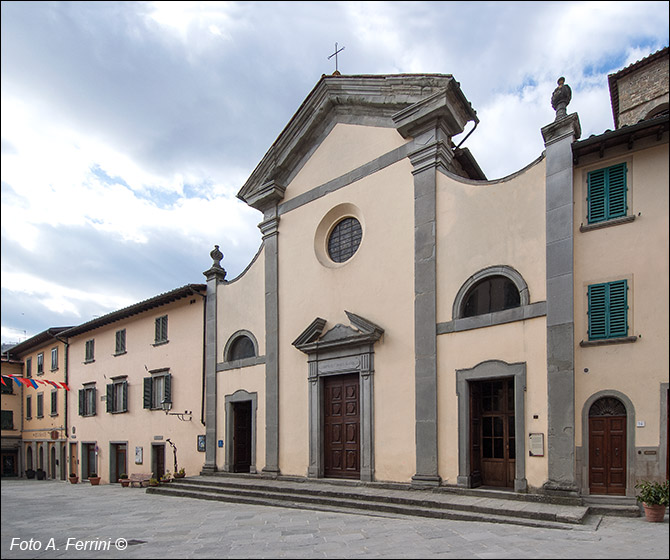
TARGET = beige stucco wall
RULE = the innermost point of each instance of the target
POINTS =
(637, 251)
(241, 306)
(353, 145)
(139, 427)
(482, 225)
(376, 283)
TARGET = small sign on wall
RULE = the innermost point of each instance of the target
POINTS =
(138, 455)
(201, 443)
(536, 445)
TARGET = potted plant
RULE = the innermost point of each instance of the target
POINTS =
(40, 474)
(94, 479)
(74, 478)
(30, 473)
(166, 478)
(654, 497)
(153, 482)
(181, 473)
(123, 479)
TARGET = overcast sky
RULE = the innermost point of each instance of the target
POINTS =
(129, 127)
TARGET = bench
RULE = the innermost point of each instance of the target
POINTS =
(139, 479)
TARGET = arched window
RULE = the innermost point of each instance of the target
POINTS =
(240, 347)
(494, 293)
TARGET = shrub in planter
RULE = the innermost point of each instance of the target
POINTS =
(30, 473)
(40, 474)
(74, 478)
(94, 479)
(654, 496)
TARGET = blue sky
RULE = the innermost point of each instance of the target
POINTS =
(129, 127)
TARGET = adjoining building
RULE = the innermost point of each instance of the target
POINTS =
(137, 379)
(12, 405)
(408, 320)
(41, 422)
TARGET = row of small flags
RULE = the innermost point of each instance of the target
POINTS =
(35, 383)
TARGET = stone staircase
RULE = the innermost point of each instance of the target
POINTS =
(391, 500)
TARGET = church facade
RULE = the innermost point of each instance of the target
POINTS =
(407, 320)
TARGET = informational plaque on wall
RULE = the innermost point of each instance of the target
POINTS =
(536, 445)
(138, 455)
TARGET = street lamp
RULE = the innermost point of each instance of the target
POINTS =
(167, 407)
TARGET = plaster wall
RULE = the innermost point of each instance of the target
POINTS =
(139, 427)
(612, 253)
(519, 342)
(354, 145)
(376, 283)
(241, 306)
(487, 224)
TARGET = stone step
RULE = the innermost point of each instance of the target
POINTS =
(378, 501)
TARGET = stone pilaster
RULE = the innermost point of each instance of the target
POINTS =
(433, 154)
(558, 138)
(215, 275)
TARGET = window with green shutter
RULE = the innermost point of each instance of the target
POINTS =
(606, 197)
(157, 388)
(161, 330)
(608, 310)
(117, 396)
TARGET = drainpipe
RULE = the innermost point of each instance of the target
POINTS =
(468, 134)
(66, 367)
(202, 393)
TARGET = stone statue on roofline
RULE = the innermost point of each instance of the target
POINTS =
(560, 98)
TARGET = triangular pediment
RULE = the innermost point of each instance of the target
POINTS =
(361, 332)
(386, 99)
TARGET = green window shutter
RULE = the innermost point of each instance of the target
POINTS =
(95, 401)
(596, 196)
(597, 311)
(82, 397)
(606, 198)
(608, 310)
(618, 308)
(616, 191)
(110, 397)
(147, 392)
(168, 388)
(125, 397)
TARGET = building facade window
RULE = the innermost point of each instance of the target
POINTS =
(7, 420)
(54, 359)
(607, 193)
(608, 310)
(54, 403)
(40, 405)
(157, 389)
(40, 363)
(29, 367)
(242, 347)
(491, 294)
(87, 399)
(161, 330)
(117, 396)
(120, 347)
(90, 351)
(29, 407)
(344, 240)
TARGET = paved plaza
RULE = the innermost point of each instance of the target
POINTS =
(48, 519)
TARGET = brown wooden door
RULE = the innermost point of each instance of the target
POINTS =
(242, 436)
(607, 455)
(119, 461)
(475, 435)
(341, 426)
(496, 432)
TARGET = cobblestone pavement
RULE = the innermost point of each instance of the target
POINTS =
(47, 519)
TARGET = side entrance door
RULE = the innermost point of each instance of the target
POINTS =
(341, 426)
(492, 437)
(242, 437)
(607, 447)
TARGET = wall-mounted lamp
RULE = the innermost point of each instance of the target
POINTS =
(167, 407)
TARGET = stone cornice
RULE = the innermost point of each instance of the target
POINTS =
(384, 96)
